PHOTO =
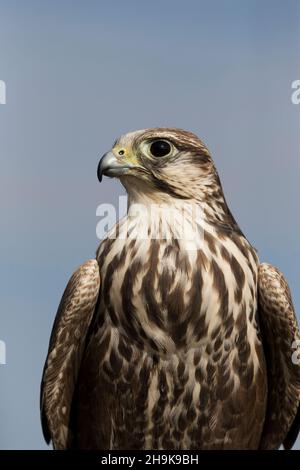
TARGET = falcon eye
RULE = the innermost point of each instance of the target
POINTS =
(160, 148)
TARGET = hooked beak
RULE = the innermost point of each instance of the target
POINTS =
(110, 166)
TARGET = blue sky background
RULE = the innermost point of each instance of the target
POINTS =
(78, 74)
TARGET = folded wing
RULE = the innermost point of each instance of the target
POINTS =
(281, 340)
(67, 344)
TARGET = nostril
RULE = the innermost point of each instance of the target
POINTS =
(121, 152)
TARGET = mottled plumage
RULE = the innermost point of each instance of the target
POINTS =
(167, 342)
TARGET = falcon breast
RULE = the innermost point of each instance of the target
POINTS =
(175, 336)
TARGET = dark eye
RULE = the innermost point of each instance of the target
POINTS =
(160, 148)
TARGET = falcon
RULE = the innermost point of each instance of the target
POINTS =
(169, 341)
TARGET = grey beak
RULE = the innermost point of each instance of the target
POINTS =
(110, 166)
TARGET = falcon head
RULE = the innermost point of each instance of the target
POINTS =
(162, 163)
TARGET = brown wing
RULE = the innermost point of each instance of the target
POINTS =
(281, 339)
(66, 347)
